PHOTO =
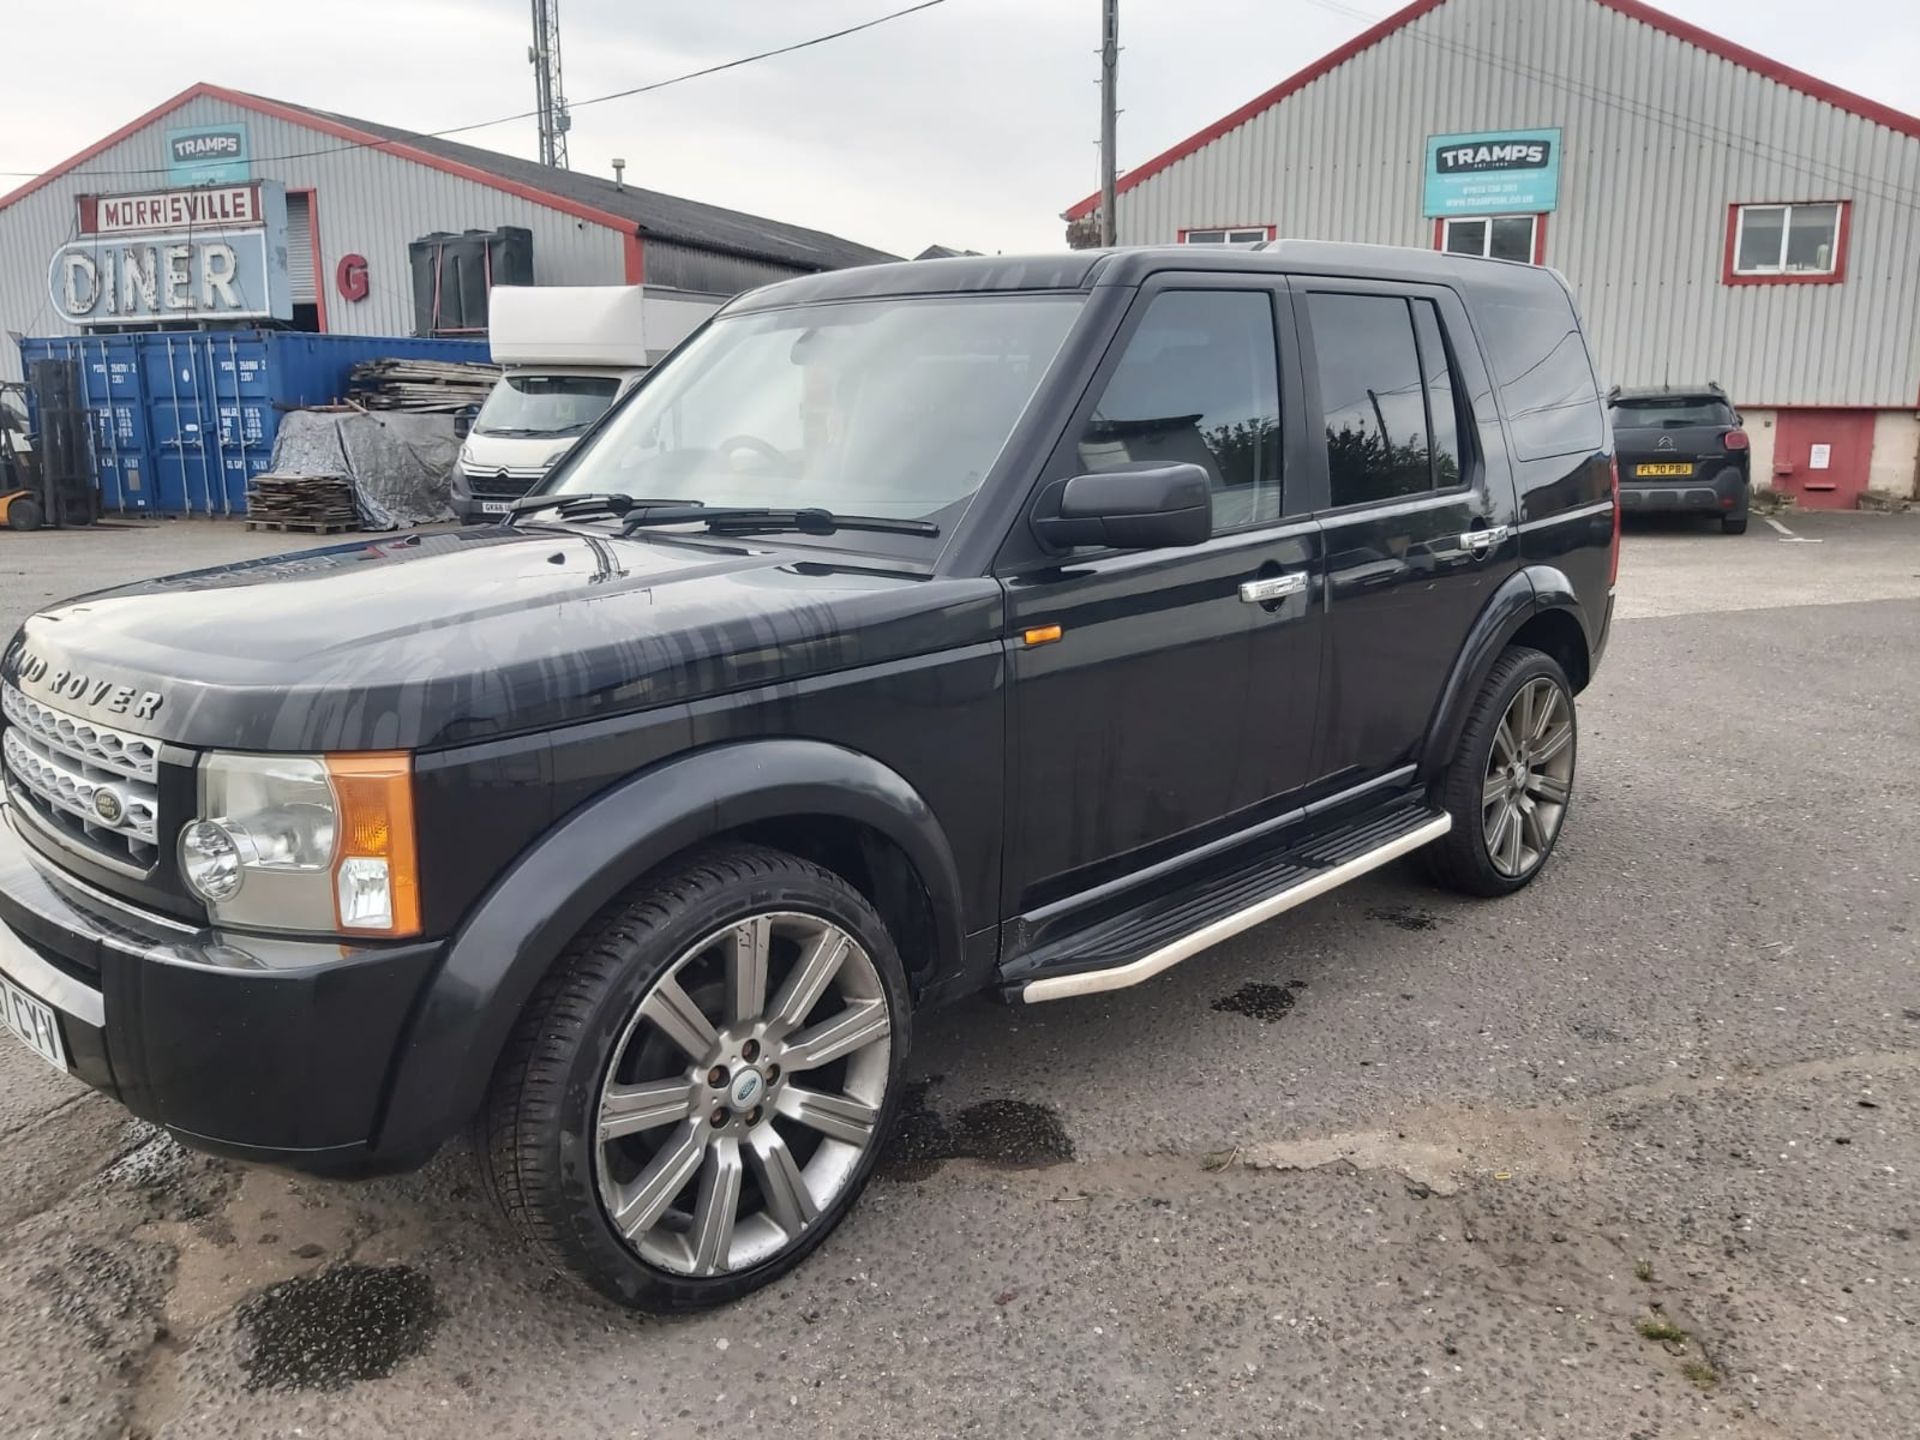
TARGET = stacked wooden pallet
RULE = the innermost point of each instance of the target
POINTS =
(315, 504)
(420, 385)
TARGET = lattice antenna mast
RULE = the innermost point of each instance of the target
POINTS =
(551, 101)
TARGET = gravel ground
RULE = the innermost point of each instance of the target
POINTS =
(1629, 1155)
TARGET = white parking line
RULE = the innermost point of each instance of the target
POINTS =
(1787, 537)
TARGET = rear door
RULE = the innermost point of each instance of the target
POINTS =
(1176, 699)
(1418, 518)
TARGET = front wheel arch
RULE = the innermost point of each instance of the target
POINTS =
(583, 864)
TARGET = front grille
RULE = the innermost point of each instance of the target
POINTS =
(93, 786)
(494, 485)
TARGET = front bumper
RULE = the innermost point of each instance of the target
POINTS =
(1708, 492)
(278, 1051)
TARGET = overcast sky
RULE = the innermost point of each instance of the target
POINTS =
(971, 124)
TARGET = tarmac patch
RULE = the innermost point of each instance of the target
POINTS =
(1010, 1134)
(326, 1331)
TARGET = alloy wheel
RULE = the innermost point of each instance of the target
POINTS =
(743, 1095)
(1529, 777)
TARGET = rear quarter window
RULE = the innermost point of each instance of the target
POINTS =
(1540, 363)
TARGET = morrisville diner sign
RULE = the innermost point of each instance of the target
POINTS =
(211, 252)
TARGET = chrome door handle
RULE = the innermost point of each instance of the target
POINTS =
(1481, 541)
(1272, 588)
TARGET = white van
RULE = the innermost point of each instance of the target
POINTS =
(569, 351)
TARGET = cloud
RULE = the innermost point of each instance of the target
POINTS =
(971, 124)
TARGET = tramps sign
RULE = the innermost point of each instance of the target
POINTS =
(208, 155)
(1503, 172)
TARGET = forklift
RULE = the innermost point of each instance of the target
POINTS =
(52, 482)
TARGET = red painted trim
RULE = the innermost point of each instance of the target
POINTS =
(73, 162)
(328, 125)
(1812, 85)
(1366, 40)
(319, 269)
(633, 258)
(1540, 239)
(1180, 235)
(1841, 242)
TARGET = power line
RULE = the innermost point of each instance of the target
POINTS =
(1901, 196)
(626, 94)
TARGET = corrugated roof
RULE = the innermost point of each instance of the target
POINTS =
(592, 197)
(669, 217)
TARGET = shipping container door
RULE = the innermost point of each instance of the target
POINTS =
(179, 401)
(239, 367)
(110, 383)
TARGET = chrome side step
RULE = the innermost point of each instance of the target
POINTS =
(1120, 977)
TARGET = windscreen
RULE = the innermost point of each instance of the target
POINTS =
(1669, 414)
(545, 404)
(894, 408)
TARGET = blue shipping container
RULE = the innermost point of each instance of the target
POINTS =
(181, 420)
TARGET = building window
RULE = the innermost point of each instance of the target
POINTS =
(1228, 235)
(1801, 243)
(1495, 237)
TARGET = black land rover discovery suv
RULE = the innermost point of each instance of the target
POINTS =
(1682, 452)
(1019, 625)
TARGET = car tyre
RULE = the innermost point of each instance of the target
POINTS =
(597, 1121)
(1507, 791)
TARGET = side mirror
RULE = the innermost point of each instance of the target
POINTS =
(463, 421)
(1151, 508)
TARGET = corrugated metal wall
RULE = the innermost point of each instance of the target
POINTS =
(1661, 137)
(367, 203)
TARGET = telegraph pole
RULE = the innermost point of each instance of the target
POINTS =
(1109, 118)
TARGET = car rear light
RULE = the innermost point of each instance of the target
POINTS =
(1736, 440)
(1613, 563)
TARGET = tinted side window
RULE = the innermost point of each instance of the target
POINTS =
(1443, 399)
(1372, 397)
(1540, 363)
(1199, 384)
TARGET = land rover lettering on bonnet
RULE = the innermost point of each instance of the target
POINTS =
(92, 691)
(1023, 626)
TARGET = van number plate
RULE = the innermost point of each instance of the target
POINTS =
(33, 1022)
(1663, 470)
(495, 507)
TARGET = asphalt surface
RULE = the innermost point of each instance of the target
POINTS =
(1396, 1164)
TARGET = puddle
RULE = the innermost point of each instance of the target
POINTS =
(325, 1331)
(1407, 918)
(1259, 1001)
(1014, 1134)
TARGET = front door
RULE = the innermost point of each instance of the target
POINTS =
(1143, 729)
(1823, 457)
(1417, 539)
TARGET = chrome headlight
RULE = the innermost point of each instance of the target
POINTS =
(305, 843)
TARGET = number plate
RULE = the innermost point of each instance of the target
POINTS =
(33, 1022)
(1663, 469)
(495, 507)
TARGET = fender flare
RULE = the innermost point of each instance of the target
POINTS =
(1526, 593)
(511, 938)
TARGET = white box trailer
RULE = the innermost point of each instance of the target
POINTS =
(569, 351)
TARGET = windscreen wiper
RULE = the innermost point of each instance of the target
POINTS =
(755, 521)
(592, 503)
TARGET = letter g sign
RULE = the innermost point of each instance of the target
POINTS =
(350, 277)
